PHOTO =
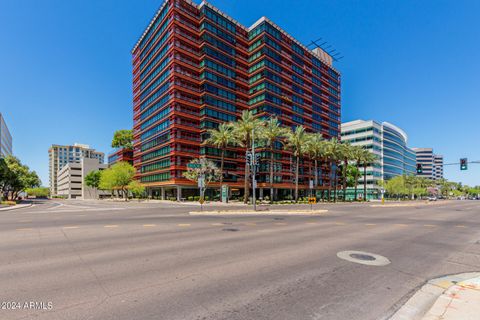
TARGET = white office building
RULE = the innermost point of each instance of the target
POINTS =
(59, 156)
(70, 179)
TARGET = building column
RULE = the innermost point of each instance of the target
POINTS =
(150, 191)
(162, 193)
(179, 193)
(260, 196)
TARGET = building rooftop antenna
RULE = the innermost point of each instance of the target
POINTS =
(332, 52)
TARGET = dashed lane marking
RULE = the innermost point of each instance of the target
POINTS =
(24, 229)
(71, 227)
(401, 225)
(217, 224)
(280, 223)
(340, 223)
(184, 224)
(460, 226)
(252, 224)
(370, 224)
(24, 220)
(311, 223)
(149, 225)
(111, 226)
(429, 225)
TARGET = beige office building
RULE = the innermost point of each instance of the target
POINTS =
(70, 179)
(59, 156)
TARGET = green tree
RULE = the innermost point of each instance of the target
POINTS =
(117, 177)
(396, 186)
(352, 175)
(316, 150)
(18, 177)
(136, 188)
(92, 180)
(368, 158)
(202, 167)
(346, 154)
(221, 138)
(39, 192)
(358, 155)
(271, 133)
(333, 154)
(123, 139)
(296, 141)
(243, 130)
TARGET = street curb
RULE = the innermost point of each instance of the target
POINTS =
(427, 295)
(263, 212)
(15, 207)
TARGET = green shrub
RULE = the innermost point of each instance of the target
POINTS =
(8, 203)
(190, 198)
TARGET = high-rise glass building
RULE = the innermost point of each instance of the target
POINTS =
(432, 164)
(389, 143)
(59, 156)
(195, 67)
(5, 139)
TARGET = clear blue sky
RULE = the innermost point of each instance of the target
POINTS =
(66, 67)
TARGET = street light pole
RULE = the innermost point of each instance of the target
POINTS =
(253, 164)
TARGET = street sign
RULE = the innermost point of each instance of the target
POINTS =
(312, 200)
(193, 165)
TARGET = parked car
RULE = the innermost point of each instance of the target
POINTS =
(432, 198)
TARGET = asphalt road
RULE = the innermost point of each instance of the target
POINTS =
(106, 260)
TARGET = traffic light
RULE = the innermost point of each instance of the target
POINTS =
(419, 168)
(463, 164)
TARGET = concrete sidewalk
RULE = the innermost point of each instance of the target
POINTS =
(459, 302)
(18, 206)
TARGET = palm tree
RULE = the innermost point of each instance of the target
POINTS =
(296, 141)
(221, 138)
(315, 148)
(271, 133)
(358, 158)
(333, 154)
(242, 131)
(367, 159)
(346, 153)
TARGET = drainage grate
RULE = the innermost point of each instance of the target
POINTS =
(230, 229)
(364, 257)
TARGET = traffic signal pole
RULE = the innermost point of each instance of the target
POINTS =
(253, 164)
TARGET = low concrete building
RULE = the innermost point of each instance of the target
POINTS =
(71, 178)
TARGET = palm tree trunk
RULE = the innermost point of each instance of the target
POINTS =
(296, 178)
(221, 167)
(345, 179)
(336, 184)
(330, 181)
(245, 196)
(365, 182)
(356, 181)
(315, 176)
(271, 175)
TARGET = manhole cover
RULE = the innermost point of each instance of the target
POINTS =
(367, 258)
(230, 229)
(364, 257)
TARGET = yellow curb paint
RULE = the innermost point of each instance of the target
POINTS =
(24, 229)
(429, 225)
(149, 225)
(184, 225)
(111, 226)
(71, 227)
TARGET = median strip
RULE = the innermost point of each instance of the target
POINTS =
(262, 212)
